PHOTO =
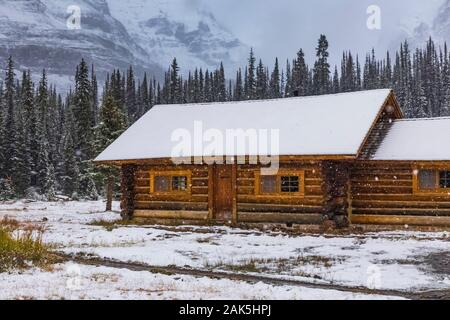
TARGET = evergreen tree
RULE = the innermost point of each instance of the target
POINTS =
(10, 129)
(250, 88)
(275, 82)
(174, 89)
(321, 74)
(261, 81)
(299, 75)
(238, 88)
(70, 172)
(82, 113)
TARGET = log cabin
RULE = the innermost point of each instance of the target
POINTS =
(350, 158)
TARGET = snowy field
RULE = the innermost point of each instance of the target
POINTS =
(406, 261)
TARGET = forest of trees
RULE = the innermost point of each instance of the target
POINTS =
(47, 141)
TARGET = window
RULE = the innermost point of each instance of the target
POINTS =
(286, 183)
(432, 181)
(290, 184)
(444, 179)
(161, 184)
(170, 181)
(179, 183)
(427, 179)
(268, 184)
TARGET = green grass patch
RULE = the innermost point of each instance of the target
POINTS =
(21, 246)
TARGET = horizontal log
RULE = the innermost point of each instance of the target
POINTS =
(400, 204)
(402, 211)
(280, 218)
(390, 176)
(401, 197)
(161, 214)
(381, 172)
(161, 205)
(200, 182)
(401, 220)
(308, 174)
(252, 207)
(307, 200)
(383, 190)
(382, 183)
(172, 197)
(199, 190)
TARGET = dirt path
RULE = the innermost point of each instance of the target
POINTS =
(170, 270)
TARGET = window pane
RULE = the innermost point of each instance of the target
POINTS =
(290, 184)
(427, 179)
(179, 183)
(268, 184)
(162, 184)
(444, 179)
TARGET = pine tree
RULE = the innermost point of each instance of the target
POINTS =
(94, 97)
(10, 129)
(112, 123)
(299, 75)
(321, 74)
(261, 81)
(275, 82)
(336, 85)
(82, 113)
(130, 97)
(250, 89)
(70, 172)
(21, 169)
(2, 135)
(174, 90)
(221, 86)
(31, 122)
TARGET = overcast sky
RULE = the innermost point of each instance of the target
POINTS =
(281, 27)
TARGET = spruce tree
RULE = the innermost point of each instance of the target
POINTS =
(275, 82)
(10, 129)
(321, 74)
(250, 89)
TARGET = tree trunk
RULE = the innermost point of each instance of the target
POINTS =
(109, 193)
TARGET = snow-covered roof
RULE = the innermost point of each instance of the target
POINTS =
(416, 140)
(334, 124)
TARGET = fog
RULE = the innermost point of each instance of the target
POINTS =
(280, 28)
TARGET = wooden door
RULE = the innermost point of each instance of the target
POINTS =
(223, 192)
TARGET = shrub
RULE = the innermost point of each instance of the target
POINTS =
(21, 246)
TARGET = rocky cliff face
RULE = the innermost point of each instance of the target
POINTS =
(113, 34)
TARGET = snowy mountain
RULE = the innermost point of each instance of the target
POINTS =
(113, 34)
(178, 28)
(436, 26)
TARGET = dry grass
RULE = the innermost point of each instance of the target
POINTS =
(21, 246)
(275, 265)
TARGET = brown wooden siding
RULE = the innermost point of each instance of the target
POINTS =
(196, 200)
(310, 203)
(386, 189)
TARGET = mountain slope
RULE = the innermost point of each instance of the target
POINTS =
(176, 28)
(113, 34)
(35, 33)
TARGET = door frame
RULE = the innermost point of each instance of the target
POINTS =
(212, 169)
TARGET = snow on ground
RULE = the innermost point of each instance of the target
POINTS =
(403, 260)
(71, 281)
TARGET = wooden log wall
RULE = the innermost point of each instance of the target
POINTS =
(197, 200)
(335, 188)
(127, 188)
(280, 209)
(382, 193)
